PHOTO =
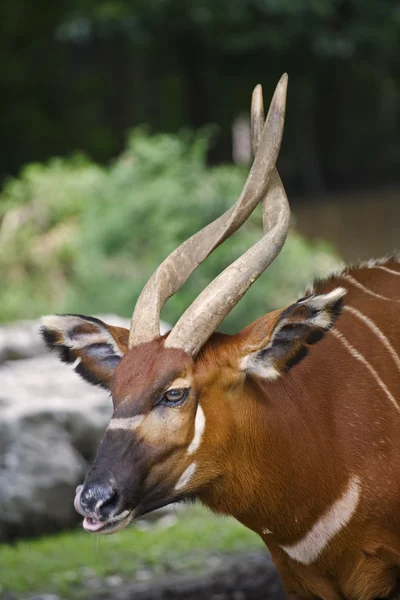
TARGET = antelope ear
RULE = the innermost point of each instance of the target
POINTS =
(285, 343)
(94, 347)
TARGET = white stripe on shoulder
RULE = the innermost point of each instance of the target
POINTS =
(365, 289)
(391, 271)
(127, 423)
(376, 331)
(364, 361)
(307, 550)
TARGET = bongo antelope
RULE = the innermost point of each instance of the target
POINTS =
(291, 425)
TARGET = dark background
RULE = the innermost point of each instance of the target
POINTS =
(76, 75)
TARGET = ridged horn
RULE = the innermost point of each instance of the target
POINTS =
(217, 300)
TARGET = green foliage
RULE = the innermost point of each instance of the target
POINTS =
(75, 237)
(63, 563)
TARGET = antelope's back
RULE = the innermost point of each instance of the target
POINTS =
(370, 322)
(363, 382)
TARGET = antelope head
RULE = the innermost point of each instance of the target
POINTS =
(172, 426)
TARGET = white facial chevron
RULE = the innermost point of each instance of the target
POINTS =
(127, 423)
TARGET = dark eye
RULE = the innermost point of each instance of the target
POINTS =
(174, 396)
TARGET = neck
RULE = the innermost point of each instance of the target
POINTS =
(280, 452)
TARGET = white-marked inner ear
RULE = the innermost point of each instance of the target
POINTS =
(87, 343)
(70, 326)
(320, 301)
(263, 369)
(301, 324)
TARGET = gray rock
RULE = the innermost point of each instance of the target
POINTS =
(50, 424)
(250, 576)
(44, 597)
(20, 340)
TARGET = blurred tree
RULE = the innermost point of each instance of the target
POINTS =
(78, 74)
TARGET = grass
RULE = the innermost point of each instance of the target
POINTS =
(62, 564)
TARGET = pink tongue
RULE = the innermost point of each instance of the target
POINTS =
(92, 524)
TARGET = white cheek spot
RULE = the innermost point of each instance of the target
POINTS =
(127, 423)
(185, 477)
(307, 550)
(199, 426)
(266, 531)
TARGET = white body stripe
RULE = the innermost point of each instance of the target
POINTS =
(367, 290)
(128, 423)
(185, 477)
(199, 426)
(364, 361)
(307, 550)
(376, 331)
(391, 271)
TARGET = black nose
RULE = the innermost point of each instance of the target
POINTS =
(99, 499)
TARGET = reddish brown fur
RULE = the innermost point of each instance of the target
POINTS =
(277, 454)
(294, 443)
(139, 371)
(121, 336)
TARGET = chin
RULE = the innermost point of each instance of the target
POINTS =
(107, 527)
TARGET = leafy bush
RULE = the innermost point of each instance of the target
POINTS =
(76, 237)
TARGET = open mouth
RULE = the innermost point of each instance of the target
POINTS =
(92, 524)
(110, 526)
